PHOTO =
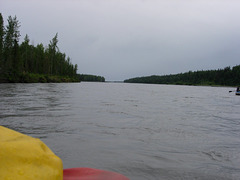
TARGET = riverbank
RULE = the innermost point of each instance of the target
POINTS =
(36, 78)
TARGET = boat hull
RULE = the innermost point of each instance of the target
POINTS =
(91, 174)
(238, 93)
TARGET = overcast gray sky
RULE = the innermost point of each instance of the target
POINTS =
(121, 39)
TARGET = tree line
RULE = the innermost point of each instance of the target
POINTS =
(28, 63)
(91, 78)
(223, 77)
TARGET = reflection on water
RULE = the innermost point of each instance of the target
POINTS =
(142, 131)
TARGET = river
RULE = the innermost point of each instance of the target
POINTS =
(146, 132)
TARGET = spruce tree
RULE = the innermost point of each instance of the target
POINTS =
(1, 42)
(52, 49)
(11, 38)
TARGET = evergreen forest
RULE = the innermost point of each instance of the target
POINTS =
(28, 63)
(91, 78)
(222, 77)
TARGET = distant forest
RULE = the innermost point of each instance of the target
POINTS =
(28, 63)
(91, 78)
(223, 77)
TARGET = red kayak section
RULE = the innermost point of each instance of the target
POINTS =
(91, 174)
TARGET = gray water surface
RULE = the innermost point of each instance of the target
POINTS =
(146, 132)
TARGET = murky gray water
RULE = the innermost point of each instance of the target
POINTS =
(146, 132)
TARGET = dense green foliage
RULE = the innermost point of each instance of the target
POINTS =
(91, 78)
(224, 77)
(28, 63)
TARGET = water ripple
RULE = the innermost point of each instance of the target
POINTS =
(142, 131)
